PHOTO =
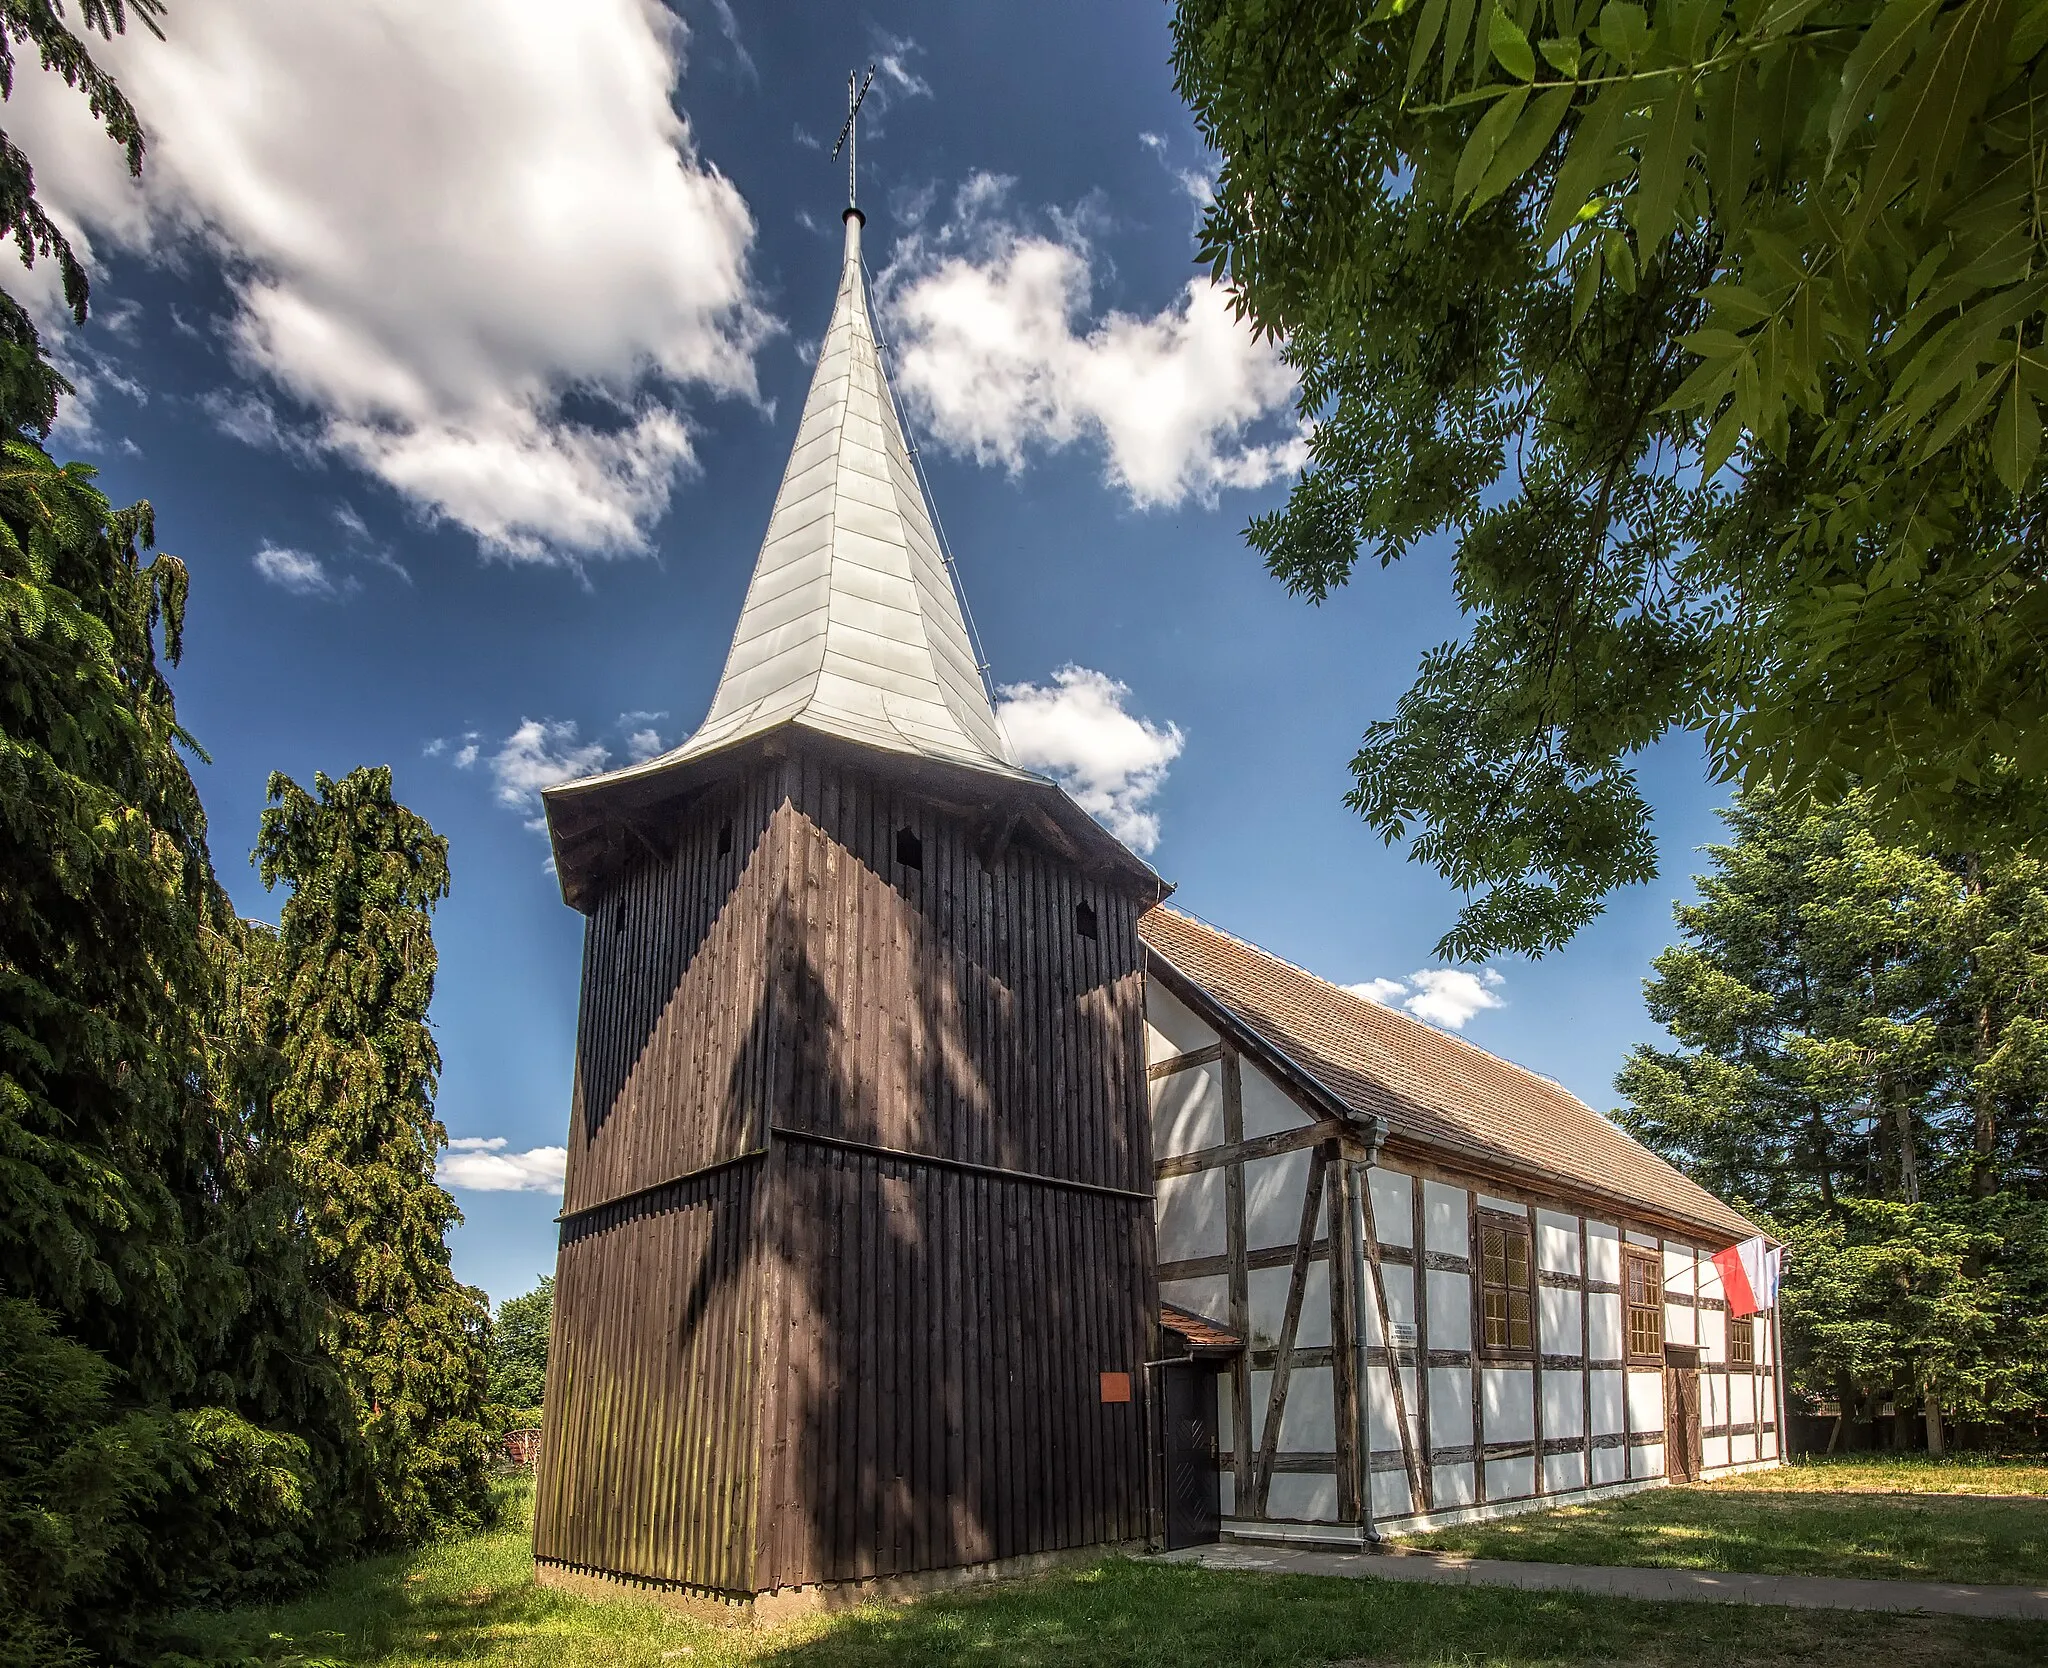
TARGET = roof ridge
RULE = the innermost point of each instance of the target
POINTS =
(1394, 1014)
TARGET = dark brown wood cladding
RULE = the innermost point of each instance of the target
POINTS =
(815, 1363)
(934, 1375)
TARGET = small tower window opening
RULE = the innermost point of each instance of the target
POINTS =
(1742, 1343)
(619, 920)
(1084, 919)
(725, 840)
(909, 849)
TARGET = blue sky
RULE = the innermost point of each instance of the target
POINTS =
(459, 350)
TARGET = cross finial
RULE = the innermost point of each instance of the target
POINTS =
(848, 137)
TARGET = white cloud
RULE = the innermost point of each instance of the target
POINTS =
(294, 571)
(465, 755)
(642, 745)
(997, 356)
(1076, 730)
(482, 1165)
(436, 224)
(1444, 996)
(1199, 188)
(540, 753)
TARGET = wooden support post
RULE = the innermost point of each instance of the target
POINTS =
(1354, 1474)
(1283, 1355)
(1417, 1500)
(1424, 1442)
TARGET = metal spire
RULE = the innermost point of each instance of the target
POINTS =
(849, 137)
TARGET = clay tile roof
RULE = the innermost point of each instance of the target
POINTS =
(1427, 1085)
(1200, 1334)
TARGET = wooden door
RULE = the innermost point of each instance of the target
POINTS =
(1681, 1414)
(1187, 1431)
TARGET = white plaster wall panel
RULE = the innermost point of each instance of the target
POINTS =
(1609, 1465)
(1187, 1111)
(1741, 1399)
(1451, 1485)
(1450, 1309)
(1400, 1286)
(1226, 1407)
(1713, 1398)
(1741, 1447)
(1510, 1410)
(1678, 1269)
(1713, 1452)
(1558, 1318)
(1445, 1227)
(1680, 1322)
(1766, 1341)
(1603, 1253)
(1171, 1026)
(1390, 1496)
(1393, 1206)
(1557, 1242)
(1510, 1479)
(1267, 1289)
(1273, 1191)
(1208, 1297)
(1603, 1325)
(1507, 1207)
(1649, 1242)
(1649, 1460)
(1308, 1424)
(1564, 1471)
(1190, 1213)
(1302, 1496)
(1261, 1393)
(1450, 1407)
(1767, 1445)
(1710, 1278)
(1646, 1401)
(1227, 1487)
(1379, 1387)
(1714, 1334)
(1564, 1404)
(1268, 1108)
(1607, 1404)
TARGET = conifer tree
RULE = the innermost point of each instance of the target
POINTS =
(354, 1103)
(1864, 1063)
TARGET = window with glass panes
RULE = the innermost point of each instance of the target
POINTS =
(1505, 1286)
(1644, 1290)
(1742, 1342)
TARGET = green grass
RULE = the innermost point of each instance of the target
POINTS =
(1892, 1518)
(474, 1601)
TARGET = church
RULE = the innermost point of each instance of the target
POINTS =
(941, 1202)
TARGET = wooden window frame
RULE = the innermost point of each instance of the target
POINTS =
(1743, 1327)
(1511, 1229)
(1635, 1257)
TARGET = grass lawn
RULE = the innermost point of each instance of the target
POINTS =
(1903, 1518)
(475, 1601)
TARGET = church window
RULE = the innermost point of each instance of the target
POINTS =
(1742, 1342)
(909, 849)
(1644, 1292)
(1505, 1285)
(1084, 919)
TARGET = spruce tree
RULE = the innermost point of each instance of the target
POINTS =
(1863, 1062)
(353, 1102)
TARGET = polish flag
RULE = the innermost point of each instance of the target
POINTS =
(1749, 1275)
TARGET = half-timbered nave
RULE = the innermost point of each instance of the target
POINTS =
(1410, 1283)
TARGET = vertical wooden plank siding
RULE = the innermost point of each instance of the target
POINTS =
(858, 1202)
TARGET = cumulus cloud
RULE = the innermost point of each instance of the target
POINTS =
(540, 753)
(1446, 997)
(294, 571)
(1076, 730)
(437, 224)
(1197, 186)
(997, 356)
(482, 1164)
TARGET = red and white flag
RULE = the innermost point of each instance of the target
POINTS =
(1749, 1275)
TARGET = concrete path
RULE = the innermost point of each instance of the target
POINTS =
(1801, 1592)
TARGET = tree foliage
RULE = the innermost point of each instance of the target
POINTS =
(519, 1347)
(1863, 1062)
(1711, 330)
(347, 1015)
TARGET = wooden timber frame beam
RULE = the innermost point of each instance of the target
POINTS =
(1418, 1501)
(1290, 1322)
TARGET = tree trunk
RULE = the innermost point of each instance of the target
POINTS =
(1937, 1436)
(1984, 1144)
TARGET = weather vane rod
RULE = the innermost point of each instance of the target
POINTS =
(849, 138)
